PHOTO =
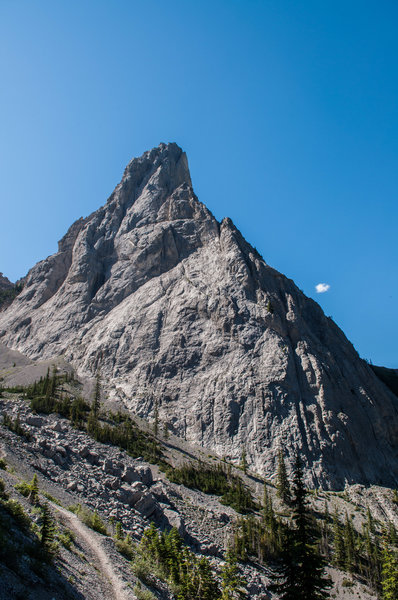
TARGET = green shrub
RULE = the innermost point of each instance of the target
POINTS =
(3, 464)
(3, 493)
(66, 538)
(29, 490)
(23, 488)
(164, 556)
(214, 480)
(15, 426)
(52, 498)
(125, 547)
(15, 509)
(145, 570)
(89, 518)
(143, 594)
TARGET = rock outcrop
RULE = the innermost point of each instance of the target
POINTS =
(8, 291)
(5, 283)
(178, 311)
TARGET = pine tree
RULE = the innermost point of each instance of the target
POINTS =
(338, 542)
(324, 545)
(392, 534)
(46, 384)
(232, 585)
(156, 418)
(243, 461)
(302, 571)
(34, 490)
(96, 404)
(287, 577)
(267, 506)
(166, 431)
(53, 383)
(370, 522)
(282, 483)
(349, 544)
(372, 566)
(389, 574)
(207, 588)
(312, 581)
(47, 529)
(118, 531)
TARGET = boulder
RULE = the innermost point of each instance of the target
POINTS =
(210, 550)
(130, 494)
(130, 475)
(159, 490)
(108, 466)
(173, 519)
(84, 451)
(34, 421)
(137, 489)
(93, 458)
(146, 505)
(58, 426)
(224, 518)
(145, 474)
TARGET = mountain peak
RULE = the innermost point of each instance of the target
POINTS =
(178, 310)
(168, 163)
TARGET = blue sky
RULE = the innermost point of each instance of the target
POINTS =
(287, 111)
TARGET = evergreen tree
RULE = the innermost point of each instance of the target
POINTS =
(118, 531)
(372, 566)
(46, 384)
(312, 581)
(302, 571)
(389, 574)
(232, 585)
(392, 535)
(47, 529)
(243, 461)
(338, 541)
(207, 588)
(268, 511)
(370, 522)
(156, 418)
(34, 490)
(53, 383)
(349, 544)
(286, 581)
(282, 483)
(324, 545)
(96, 404)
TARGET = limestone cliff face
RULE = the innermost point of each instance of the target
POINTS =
(178, 309)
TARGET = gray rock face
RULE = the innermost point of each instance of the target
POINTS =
(5, 283)
(175, 307)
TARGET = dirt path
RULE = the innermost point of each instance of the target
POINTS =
(116, 587)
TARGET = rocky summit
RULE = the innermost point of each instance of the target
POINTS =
(183, 317)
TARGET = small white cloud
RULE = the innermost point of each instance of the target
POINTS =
(321, 288)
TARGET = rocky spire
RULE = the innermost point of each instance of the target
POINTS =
(180, 312)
